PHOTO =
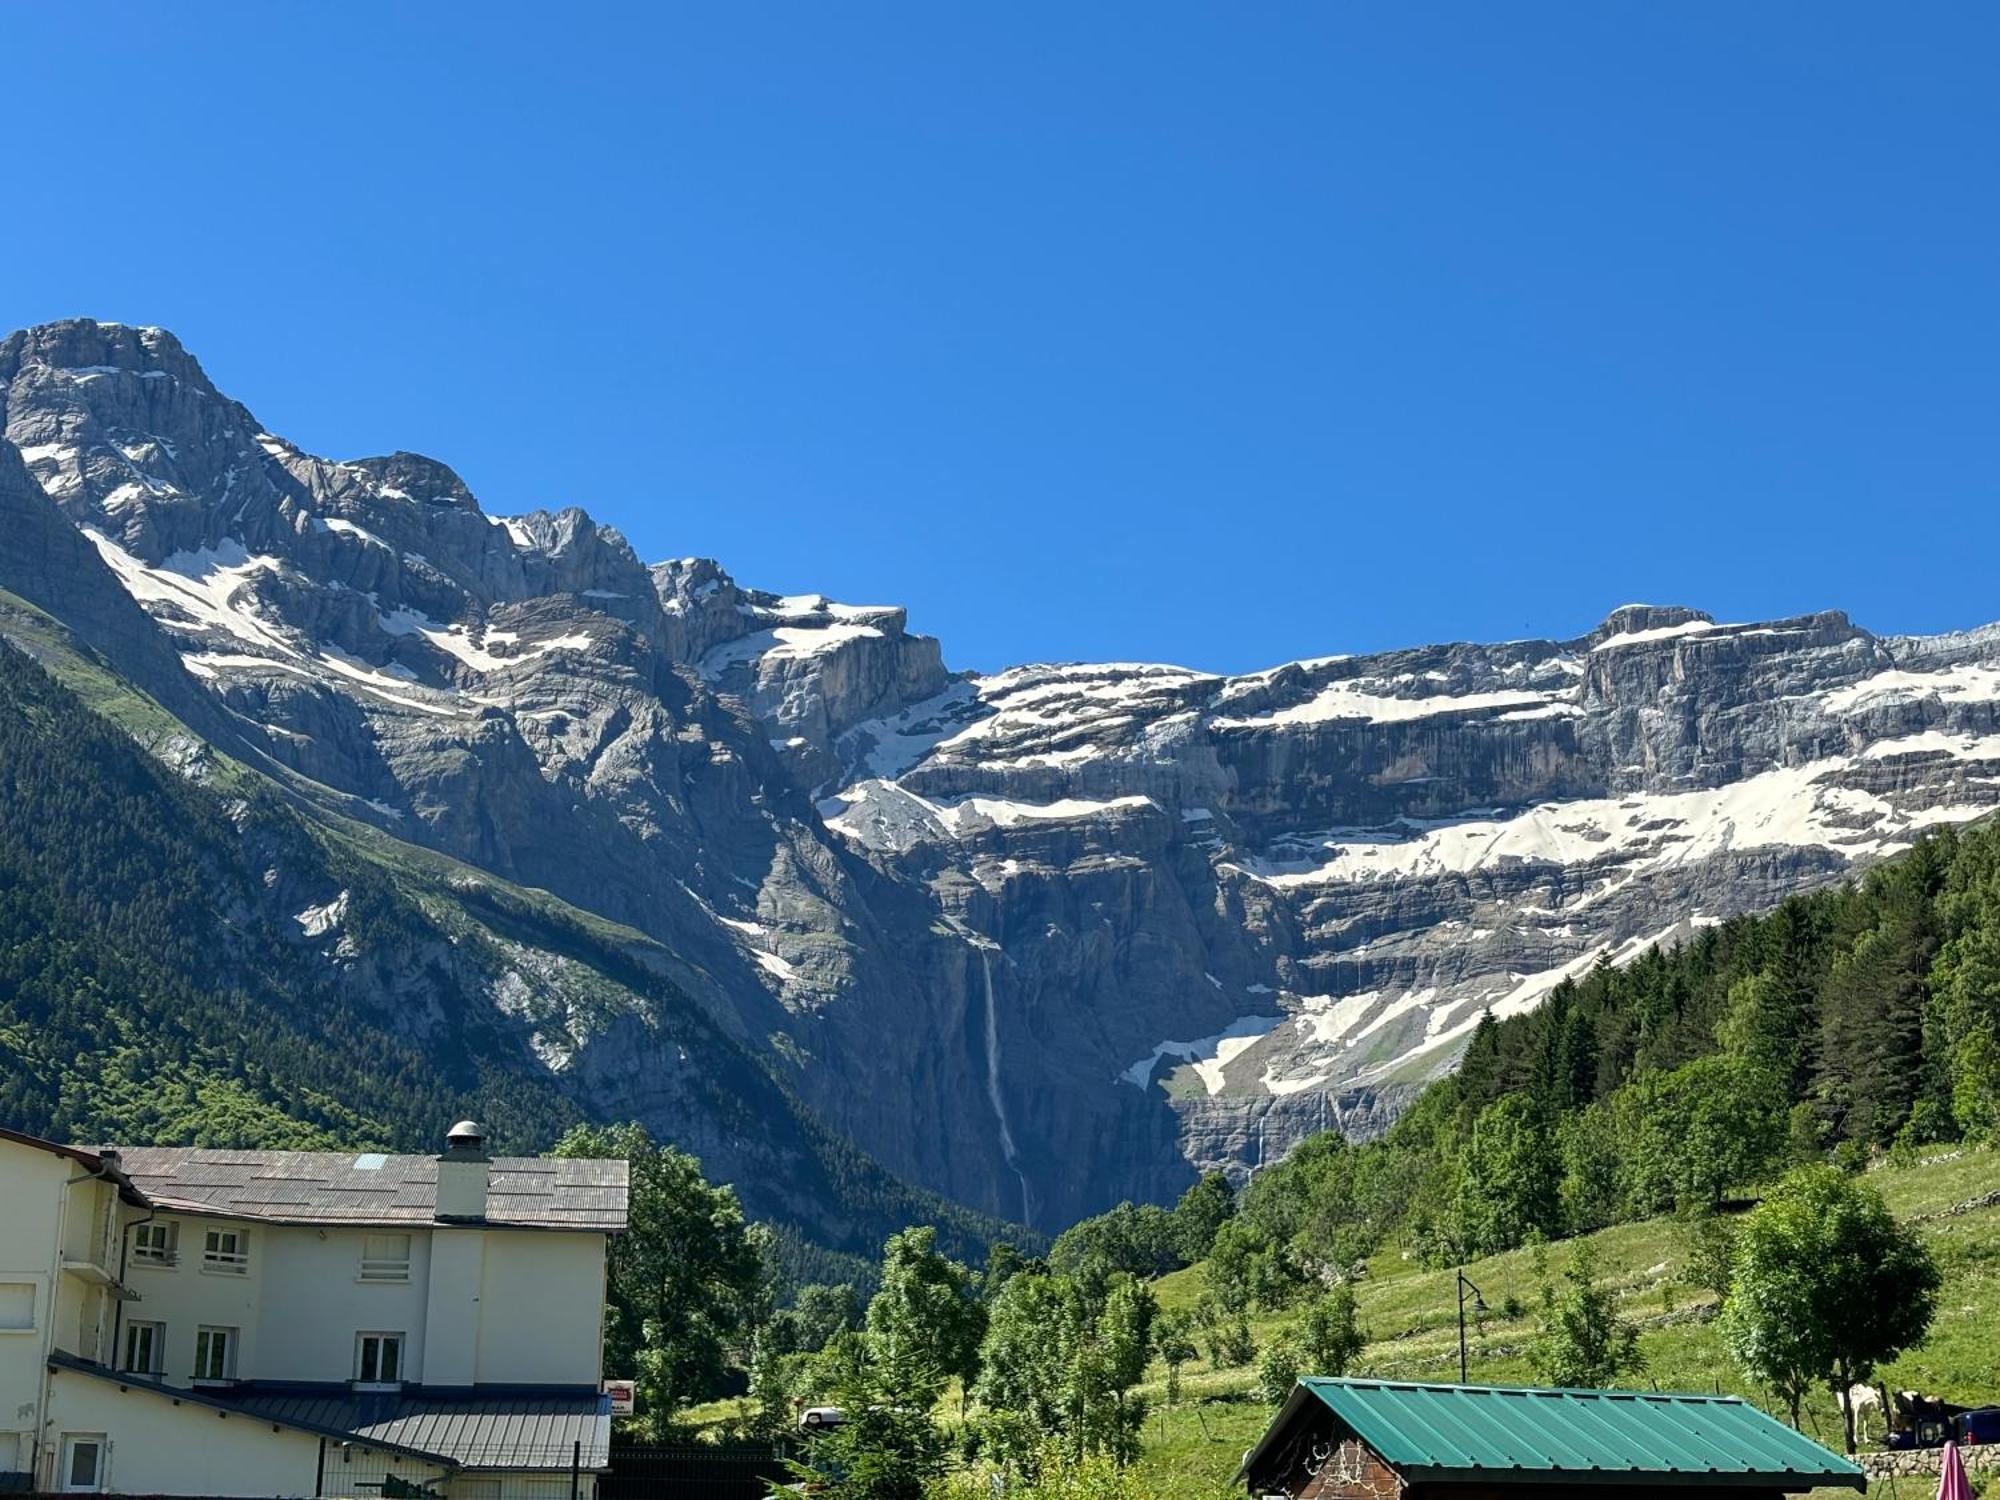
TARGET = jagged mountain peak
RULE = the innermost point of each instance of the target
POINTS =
(1044, 937)
(1635, 619)
(84, 348)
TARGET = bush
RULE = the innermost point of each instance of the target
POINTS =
(1277, 1371)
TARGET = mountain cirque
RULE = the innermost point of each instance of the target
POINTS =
(1041, 940)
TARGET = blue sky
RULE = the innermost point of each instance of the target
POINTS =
(1213, 334)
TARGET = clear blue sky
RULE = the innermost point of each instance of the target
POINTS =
(1217, 334)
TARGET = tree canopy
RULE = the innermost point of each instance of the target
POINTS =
(1825, 1286)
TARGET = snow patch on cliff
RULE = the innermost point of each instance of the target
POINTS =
(1348, 700)
(1209, 1055)
(1794, 806)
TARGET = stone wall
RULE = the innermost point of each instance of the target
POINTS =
(1924, 1462)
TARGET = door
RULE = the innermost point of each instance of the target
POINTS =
(83, 1455)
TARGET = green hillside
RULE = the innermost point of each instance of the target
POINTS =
(1409, 1313)
(159, 982)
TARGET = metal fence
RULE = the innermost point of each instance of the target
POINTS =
(679, 1471)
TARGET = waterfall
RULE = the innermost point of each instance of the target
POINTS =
(993, 1085)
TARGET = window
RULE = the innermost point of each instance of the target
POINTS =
(145, 1347)
(17, 1306)
(378, 1358)
(215, 1354)
(385, 1257)
(227, 1251)
(83, 1462)
(156, 1243)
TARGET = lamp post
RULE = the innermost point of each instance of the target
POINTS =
(1478, 1306)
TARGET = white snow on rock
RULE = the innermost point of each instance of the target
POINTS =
(1209, 1054)
(818, 604)
(896, 744)
(1658, 633)
(200, 588)
(1347, 700)
(345, 527)
(1966, 682)
(384, 683)
(848, 812)
(1799, 807)
(317, 921)
(770, 963)
(785, 642)
(457, 641)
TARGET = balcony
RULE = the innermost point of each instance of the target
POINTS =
(92, 1274)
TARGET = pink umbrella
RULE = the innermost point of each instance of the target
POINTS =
(1952, 1483)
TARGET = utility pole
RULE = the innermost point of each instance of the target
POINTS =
(1478, 1306)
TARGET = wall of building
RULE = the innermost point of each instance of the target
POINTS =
(32, 1183)
(541, 1308)
(84, 1306)
(501, 1306)
(162, 1447)
(185, 1297)
(1351, 1471)
(318, 1341)
(158, 1448)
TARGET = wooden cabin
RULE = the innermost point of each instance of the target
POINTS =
(1394, 1440)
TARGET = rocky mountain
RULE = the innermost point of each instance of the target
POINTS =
(1039, 940)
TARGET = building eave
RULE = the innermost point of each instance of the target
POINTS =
(63, 1363)
(109, 1171)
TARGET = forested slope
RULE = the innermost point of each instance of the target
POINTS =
(191, 958)
(1848, 1022)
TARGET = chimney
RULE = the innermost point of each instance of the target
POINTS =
(463, 1174)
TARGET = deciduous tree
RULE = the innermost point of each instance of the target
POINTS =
(1825, 1287)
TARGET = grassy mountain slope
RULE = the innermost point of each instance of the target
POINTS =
(191, 952)
(1410, 1316)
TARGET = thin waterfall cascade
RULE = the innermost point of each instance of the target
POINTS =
(993, 1086)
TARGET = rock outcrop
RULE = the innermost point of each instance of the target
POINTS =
(1043, 939)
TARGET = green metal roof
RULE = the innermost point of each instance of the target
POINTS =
(1502, 1433)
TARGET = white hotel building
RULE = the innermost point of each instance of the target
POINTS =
(278, 1323)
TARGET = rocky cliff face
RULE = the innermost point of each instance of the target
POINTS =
(1043, 939)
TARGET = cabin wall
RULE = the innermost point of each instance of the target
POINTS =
(1352, 1472)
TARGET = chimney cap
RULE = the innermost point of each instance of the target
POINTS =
(466, 1136)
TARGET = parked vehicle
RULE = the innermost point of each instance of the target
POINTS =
(1980, 1425)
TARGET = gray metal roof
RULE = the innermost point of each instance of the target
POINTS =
(58, 1360)
(325, 1187)
(512, 1431)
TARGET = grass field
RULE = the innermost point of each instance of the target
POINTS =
(1410, 1316)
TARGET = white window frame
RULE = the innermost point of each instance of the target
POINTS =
(167, 1252)
(204, 1349)
(156, 1347)
(233, 1261)
(66, 1457)
(382, 1340)
(384, 1268)
(34, 1291)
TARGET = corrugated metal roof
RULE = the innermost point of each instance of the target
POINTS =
(219, 1402)
(1528, 1434)
(514, 1431)
(323, 1187)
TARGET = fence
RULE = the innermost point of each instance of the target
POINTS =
(727, 1471)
